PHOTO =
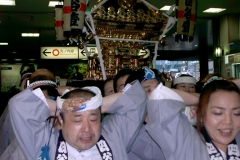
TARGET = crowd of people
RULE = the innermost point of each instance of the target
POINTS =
(133, 116)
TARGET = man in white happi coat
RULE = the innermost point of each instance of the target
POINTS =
(82, 135)
(6, 132)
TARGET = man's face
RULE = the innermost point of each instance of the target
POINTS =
(108, 88)
(82, 130)
(121, 82)
(150, 85)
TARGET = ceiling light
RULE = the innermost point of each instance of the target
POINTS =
(30, 34)
(214, 10)
(3, 59)
(54, 3)
(3, 43)
(7, 2)
(18, 59)
(31, 59)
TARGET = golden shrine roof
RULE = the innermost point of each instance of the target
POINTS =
(128, 19)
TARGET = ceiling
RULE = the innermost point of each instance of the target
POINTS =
(36, 16)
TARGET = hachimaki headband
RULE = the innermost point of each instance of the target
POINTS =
(80, 104)
(149, 74)
(28, 73)
(74, 105)
(46, 82)
(184, 79)
(42, 82)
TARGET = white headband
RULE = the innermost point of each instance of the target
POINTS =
(186, 79)
(48, 82)
(94, 103)
(213, 78)
(28, 73)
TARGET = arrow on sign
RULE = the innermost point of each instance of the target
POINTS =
(82, 52)
(144, 51)
(45, 52)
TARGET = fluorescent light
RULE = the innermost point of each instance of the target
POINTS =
(214, 10)
(3, 43)
(30, 34)
(18, 59)
(165, 8)
(31, 59)
(3, 59)
(7, 2)
(54, 3)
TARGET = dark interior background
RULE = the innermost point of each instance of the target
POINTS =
(36, 16)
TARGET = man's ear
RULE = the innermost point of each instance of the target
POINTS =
(60, 121)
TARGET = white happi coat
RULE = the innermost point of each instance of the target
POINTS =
(29, 112)
(170, 128)
(6, 131)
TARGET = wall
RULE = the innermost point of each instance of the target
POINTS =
(229, 32)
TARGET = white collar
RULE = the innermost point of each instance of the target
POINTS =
(90, 154)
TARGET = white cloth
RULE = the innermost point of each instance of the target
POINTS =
(187, 111)
(90, 154)
(119, 128)
(94, 103)
(6, 131)
(223, 154)
(172, 131)
(185, 79)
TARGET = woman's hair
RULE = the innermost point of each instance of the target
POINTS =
(121, 73)
(207, 91)
(201, 82)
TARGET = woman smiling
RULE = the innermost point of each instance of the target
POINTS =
(218, 124)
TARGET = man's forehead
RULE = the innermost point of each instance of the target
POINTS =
(186, 84)
(150, 81)
(84, 113)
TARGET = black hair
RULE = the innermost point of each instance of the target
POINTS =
(139, 75)
(30, 69)
(51, 91)
(78, 92)
(121, 73)
(103, 85)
